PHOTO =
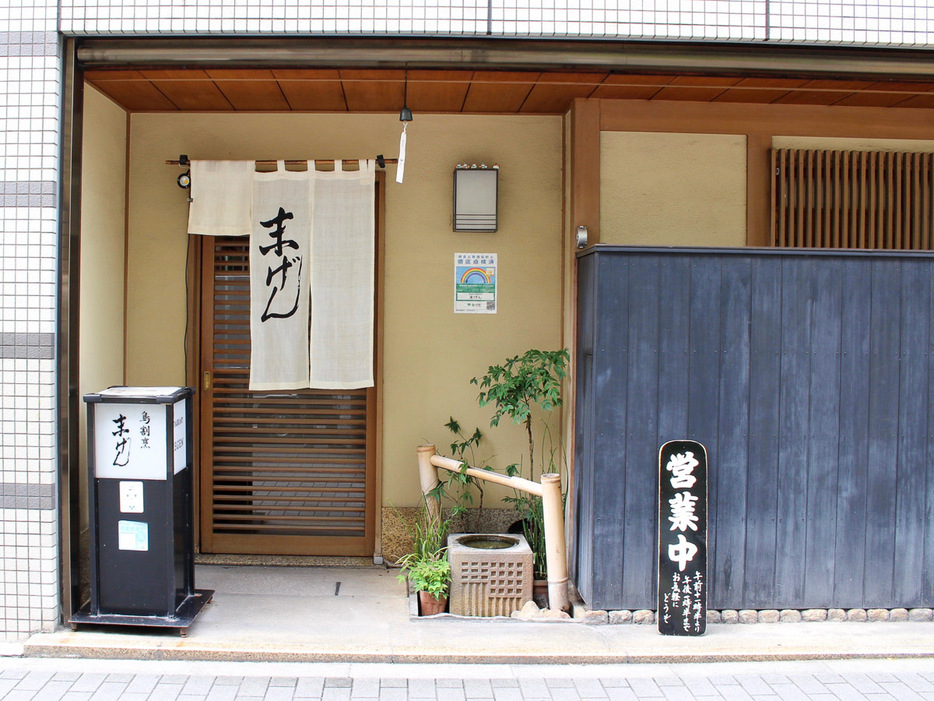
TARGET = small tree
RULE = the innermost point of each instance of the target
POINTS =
(513, 388)
(520, 383)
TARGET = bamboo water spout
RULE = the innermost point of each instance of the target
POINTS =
(552, 507)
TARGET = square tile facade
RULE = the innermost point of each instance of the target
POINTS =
(30, 87)
(892, 22)
(30, 103)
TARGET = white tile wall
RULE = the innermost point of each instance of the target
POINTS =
(892, 22)
(29, 147)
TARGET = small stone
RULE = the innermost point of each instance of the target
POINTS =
(898, 615)
(769, 616)
(856, 615)
(619, 617)
(714, 617)
(836, 615)
(792, 616)
(529, 610)
(920, 615)
(594, 618)
(548, 614)
(814, 615)
(729, 616)
(643, 617)
(748, 616)
(876, 615)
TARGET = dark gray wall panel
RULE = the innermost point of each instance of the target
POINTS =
(849, 552)
(764, 394)
(808, 377)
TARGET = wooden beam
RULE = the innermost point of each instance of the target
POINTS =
(786, 120)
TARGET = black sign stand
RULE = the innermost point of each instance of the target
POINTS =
(682, 538)
(141, 510)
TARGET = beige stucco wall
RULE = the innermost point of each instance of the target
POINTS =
(103, 210)
(661, 189)
(429, 353)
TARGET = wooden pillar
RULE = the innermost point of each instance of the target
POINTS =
(584, 167)
(582, 172)
(758, 189)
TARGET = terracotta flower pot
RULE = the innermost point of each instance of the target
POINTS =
(540, 592)
(428, 605)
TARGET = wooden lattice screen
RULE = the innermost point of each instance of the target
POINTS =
(284, 472)
(852, 199)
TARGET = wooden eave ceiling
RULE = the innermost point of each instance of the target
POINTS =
(468, 91)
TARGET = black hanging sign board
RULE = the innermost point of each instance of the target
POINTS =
(682, 538)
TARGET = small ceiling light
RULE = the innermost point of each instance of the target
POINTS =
(184, 180)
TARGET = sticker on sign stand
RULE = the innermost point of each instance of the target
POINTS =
(131, 497)
(133, 535)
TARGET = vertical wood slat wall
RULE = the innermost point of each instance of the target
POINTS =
(807, 376)
(852, 199)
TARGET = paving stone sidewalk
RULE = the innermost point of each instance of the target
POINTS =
(102, 680)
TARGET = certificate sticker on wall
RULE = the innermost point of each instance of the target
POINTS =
(474, 283)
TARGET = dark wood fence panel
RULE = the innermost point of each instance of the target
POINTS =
(808, 377)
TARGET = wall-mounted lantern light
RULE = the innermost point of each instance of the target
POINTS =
(475, 198)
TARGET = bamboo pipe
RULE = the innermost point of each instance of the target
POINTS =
(552, 507)
(556, 561)
(428, 476)
(519, 483)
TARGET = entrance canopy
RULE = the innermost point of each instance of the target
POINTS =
(491, 75)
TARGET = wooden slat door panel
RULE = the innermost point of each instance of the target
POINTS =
(282, 472)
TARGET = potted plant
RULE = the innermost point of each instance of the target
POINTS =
(514, 388)
(431, 578)
(426, 567)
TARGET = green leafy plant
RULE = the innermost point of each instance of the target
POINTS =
(427, 567)
(432, 576)
(458, 487)
(515, 388)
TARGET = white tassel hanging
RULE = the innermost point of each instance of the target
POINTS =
(400, 165)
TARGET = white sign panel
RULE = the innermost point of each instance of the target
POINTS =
(129, 441)
(474, 283)
(179, 450)
(132, 535)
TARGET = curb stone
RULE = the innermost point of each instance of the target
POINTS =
(750, 616)
(597, 617)
(769, 616)
(836, 614)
